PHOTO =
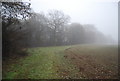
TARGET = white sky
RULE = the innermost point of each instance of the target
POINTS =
(102, 13)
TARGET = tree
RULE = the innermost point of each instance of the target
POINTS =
(37, 29)
(90, 33)
(76, 34)
(57, 21)
(12, 15)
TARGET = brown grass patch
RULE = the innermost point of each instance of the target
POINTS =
(94, 63)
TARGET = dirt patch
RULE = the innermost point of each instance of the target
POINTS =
(88, 66)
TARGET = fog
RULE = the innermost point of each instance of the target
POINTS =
(103, 14)
(48, 34)
(57, 22)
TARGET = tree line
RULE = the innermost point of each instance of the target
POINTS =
(54, 28)
(22, 28)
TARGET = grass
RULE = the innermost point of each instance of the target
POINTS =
(64, 62)
(95, 62)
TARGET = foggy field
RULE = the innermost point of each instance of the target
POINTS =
(65, 62)
(45, 39)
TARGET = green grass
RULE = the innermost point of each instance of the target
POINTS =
(38, 65)
(50, 62)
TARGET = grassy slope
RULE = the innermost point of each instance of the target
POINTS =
(60, 62)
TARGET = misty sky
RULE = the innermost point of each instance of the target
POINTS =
(102, 13)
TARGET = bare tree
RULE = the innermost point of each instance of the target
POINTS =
(57, 21)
